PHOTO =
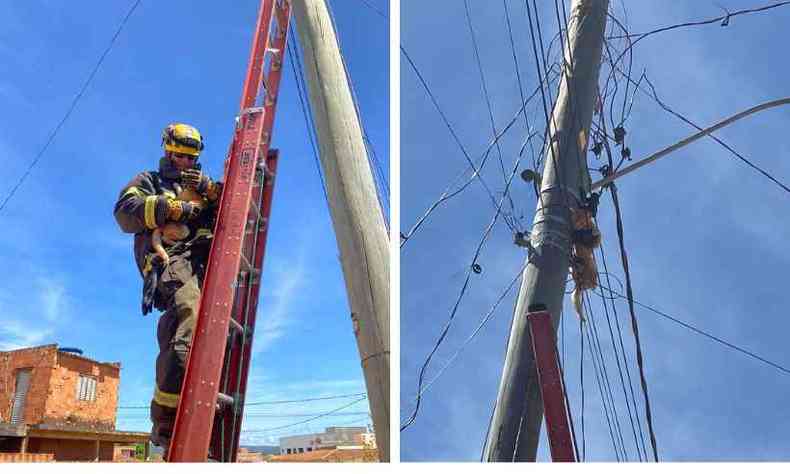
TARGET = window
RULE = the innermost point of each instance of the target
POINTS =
(301, 450)
(86, 388)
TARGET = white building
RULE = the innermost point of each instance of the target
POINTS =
(331, 438)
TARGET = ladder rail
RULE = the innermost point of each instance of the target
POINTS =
(241, 363)
(227, 423)
(194, 431)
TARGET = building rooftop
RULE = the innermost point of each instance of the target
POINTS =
(68, 354)
(330, 455)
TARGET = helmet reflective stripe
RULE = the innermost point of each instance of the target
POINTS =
(182, 138)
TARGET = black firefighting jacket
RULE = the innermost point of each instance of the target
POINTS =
(142, 207)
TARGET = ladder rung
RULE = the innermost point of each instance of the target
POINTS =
(246, 263)
(235, 325)
(281, 18)
(255, 210)
(225, 400)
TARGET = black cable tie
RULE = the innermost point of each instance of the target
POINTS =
(626, 153)
(619, 135)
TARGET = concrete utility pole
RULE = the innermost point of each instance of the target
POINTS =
(357, 217)
(515, 427)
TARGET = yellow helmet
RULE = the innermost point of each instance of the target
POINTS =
(182, 138)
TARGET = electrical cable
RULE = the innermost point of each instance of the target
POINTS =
(634, 325)
(309, 123)
(377, 171)
(71, 107)
(720, 19)
(447, 195)
(596, 350)
(277, 402)
(446, 328)
(310, 419)
(628, 402)
(476, 170)
(751, 354)
(604, 398)
(486, 95)
(372, 7)
(487, 317)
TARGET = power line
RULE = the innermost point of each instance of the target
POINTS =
(376, 170)
(275, 415)
(447, 195)
(476, 170)
(473, 267)
(372, 7)
(697, 330)
(719, 20)
(309, 123)
(485, 89)
(488, 316)
(617, 353)
(71, 107)
(613, 429)
(279, 402)
(629, 292)
(719, 141)
(723, 19)
(347, 424)
(634, 325)
(310, 419)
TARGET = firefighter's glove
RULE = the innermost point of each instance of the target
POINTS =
(194, 178)
(183, 211)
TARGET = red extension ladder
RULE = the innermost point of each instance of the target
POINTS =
(210, 409)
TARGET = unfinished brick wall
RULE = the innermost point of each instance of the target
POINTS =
(63, 407)
(52, 397)
(41, 360)
(71, 449)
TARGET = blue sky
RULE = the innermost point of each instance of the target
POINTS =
(704, 233)
(71, 278)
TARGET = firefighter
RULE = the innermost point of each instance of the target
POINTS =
(149, 202)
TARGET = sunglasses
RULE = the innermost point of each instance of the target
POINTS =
(184, 156)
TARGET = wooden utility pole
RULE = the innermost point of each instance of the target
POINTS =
(515, 426)
(356, 214)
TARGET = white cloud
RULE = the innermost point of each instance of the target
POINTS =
(275, 318)
(28, 322)
(53, 301)
(16, 335)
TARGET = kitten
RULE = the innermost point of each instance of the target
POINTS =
(173, 232)
(583, 269)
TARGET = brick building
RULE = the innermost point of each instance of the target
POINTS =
(60, 403)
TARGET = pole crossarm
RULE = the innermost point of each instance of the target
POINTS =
(688, 140)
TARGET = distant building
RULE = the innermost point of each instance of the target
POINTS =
(58, 403)
(331, 438)
(245, 455)
(339, 454)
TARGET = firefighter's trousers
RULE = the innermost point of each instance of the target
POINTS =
(179, 290)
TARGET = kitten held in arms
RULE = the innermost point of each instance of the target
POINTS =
(173, 232)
